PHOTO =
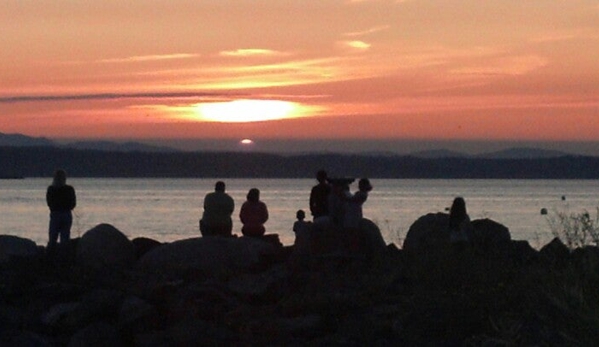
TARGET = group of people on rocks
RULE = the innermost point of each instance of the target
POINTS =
(332, 205)
(218, 209)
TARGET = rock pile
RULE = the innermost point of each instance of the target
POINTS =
(108, 290)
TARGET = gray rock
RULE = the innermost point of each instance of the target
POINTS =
(105, 247)
(428, 232)
(24, 339)
(258, 285)
(431, 232)
(586, 259)
(143, 245)
(209, 256)
(197, 332)
(98, 334)
(488, 234)
(555, 252)
(309, 325)
(102, 302)
(56, 314)
(11, 245)
(373, 239)
(137, 315)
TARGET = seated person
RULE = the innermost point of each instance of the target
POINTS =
(460, 229)
(253, 214)
(218, 208)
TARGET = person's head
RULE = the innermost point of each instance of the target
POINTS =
(253, 194)
(60, 177)
(219, 186)
(300, 214)
(364, 185)
(321, 176)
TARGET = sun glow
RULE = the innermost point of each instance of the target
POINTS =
(240, 111)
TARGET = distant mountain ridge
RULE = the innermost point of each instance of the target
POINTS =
(508, 153)
(19, 140)
(41, 162)
(439, 153)
(117, 146)
(523, 153)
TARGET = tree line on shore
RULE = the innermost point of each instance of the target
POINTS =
(42, 161)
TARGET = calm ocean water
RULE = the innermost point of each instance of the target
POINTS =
(169, 209)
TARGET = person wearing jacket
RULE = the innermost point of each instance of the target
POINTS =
(218, 208)
(253, 214)
(61, 199)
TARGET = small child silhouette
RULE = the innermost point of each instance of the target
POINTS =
(301, 228)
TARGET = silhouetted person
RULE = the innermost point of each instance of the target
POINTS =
(336, 199)
(319, 196)
(302, 230)
(352, 214)
(218, 208)
(459, 222)
(300, 225)
(253, 214)
(61, 200)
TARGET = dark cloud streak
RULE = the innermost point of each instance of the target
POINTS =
(107, 96)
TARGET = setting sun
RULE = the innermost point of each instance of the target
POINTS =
(240, 111)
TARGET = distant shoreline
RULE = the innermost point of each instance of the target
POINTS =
(42, 161)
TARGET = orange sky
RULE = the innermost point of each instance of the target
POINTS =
(374, 69)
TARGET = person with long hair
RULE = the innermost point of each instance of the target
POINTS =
(253, 214)
(459, 222)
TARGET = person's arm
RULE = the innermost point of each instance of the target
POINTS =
(73, 198)
(265, 213)
(49, 197)
(242, 214)
(357, 197)
(312, 198)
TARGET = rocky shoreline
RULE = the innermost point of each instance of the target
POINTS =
(107, 290)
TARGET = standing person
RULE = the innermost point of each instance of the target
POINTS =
(61, 200)
(302, 230)
(253, 214)
(353, 215)
(353, 204)
(218, 208)
(319, 196)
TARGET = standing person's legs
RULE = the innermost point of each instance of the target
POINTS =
(65, 227)
(53, 231)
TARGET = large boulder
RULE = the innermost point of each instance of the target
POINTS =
(427, 232)
(555, 252)
(209, 256)
(143, 245)
(488, 234)
(14, 246)
(373, 239)
(96, 334)
(105, 247)
(326, 238)
(431, 232)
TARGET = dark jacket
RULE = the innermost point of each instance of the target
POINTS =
(61, 198)
(319, 199)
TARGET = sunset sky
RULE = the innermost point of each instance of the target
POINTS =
(272, 70)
